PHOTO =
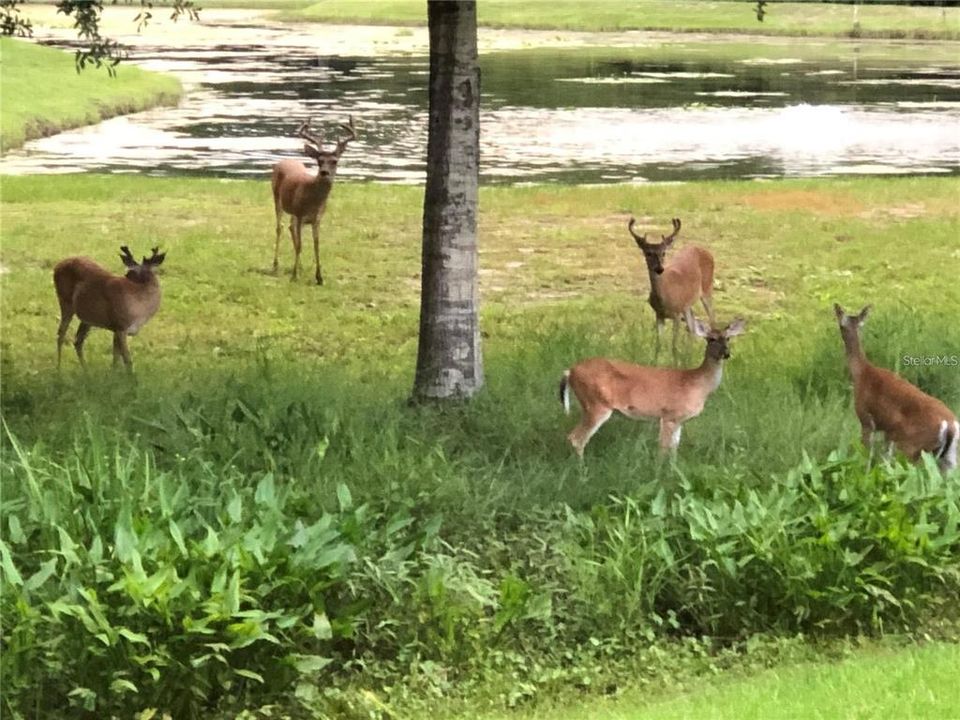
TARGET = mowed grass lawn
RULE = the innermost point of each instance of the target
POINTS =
(915, 683)
(42, 94)
(785, 252)
(679, 15)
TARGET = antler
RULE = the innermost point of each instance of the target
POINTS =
(156, 258)
(641, 239)
(307, 134)
(676, 229)
(127, 256)
(352, 135)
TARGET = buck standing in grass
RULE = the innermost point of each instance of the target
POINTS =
(671, 395)
(304, 195)
(911, 420)
(676, 286)
(122, 304)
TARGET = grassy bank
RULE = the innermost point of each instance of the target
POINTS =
(260, 518)
(42, 94)
(869, 684)
(798, 19)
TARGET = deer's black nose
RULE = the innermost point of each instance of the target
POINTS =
(659, 271)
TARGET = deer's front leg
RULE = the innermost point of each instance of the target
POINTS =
(316, 248)
(669, 436)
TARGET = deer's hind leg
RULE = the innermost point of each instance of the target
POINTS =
(82, 331)
(276, 245)
(296, 226)
(707, 301)
(66, 317)
(590, 422)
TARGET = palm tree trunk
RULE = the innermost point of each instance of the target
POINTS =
(449, 361)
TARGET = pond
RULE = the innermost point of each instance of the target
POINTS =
(639, 112)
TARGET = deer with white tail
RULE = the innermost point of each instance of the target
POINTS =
(675, 286)
(911, 421)
(303, 195)
(670, 395)
(122, 304)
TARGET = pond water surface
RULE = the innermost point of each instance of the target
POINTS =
(563, 114)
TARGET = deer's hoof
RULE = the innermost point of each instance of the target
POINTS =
(319, 280)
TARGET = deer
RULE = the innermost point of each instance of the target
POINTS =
(910, 420)
(670, 395)
(675, 286)
(120, 303)
(303, 195)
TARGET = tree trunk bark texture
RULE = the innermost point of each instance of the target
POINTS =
(449, 361)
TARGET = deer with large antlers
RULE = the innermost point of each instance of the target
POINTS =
(675, 286)
(912, 421)
(122, 304)
(670, 395)
(302, 194)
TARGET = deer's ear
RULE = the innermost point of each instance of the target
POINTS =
(699, 329)
(862, 317)
(668, 241)
(735, 328)
(157, 259)
(311, 151)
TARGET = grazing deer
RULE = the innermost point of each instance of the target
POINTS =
(911, 420)
(676, 286)
(669, 394)
(122, 304)
(304, 195)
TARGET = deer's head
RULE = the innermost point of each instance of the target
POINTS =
(718, 340)
(141, 271)
(327, 160)
(654, 253)
(850, 324)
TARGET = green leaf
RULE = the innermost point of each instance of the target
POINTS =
(6, 563)
(120, 684)
(344, 497)
(124, 539)
(310, 663)
(249, 674)
(41, 575)
(134, 636)
(266, 492)
(16, 532)
(235, 508)
(231, 598)
(177, 536)
(321, 627)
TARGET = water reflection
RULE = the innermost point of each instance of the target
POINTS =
(561, 116)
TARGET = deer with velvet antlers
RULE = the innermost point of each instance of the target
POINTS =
(303, 195)
(121, 304)
(911, 421)
(675, 286)
(670, 395)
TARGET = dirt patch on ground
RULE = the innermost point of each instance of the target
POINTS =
(907, 211)
(813, 201)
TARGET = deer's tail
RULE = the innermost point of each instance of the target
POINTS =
(565, 391)
(949, 440)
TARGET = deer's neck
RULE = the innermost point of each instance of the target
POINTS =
(711, 371)
(856, 360)
(322, 187)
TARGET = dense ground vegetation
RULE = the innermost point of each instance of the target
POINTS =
(258, 517)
